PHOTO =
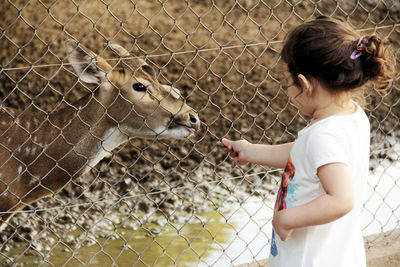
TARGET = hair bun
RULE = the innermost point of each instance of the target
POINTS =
(378, 61)
(334, 54)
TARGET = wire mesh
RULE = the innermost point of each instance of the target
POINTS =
(166, 202)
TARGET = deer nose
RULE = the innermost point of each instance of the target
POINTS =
(194, 121)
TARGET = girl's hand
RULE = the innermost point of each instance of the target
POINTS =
(238, 150)
(280, 227)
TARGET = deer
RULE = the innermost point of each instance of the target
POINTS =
(42, 153)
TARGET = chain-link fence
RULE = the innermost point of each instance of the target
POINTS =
(161, 201)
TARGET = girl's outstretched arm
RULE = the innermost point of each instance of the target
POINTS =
(338, 201)
(243, 152)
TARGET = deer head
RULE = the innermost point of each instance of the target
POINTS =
(132, 96)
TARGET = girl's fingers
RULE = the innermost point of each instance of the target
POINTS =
(225, 143)
(227, 146)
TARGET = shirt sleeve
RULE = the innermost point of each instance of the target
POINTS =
(326, 147)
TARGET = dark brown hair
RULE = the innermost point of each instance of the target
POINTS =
(321, 48)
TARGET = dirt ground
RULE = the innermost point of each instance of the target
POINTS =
(383, 250)
(236, 91)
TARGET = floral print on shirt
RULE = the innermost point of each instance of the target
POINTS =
(283, 192)
(287, 177)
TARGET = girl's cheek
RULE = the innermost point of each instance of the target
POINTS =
(290, 92)
(293, 94)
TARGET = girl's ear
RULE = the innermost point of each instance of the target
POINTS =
(305, 84)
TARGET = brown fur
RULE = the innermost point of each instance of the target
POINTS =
(40, 155)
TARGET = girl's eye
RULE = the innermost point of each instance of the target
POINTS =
(139, 87)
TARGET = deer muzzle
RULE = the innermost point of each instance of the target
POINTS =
(189, 120)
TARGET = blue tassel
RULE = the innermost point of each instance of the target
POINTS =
(274, 248)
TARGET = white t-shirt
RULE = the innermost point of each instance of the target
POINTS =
(336, 139)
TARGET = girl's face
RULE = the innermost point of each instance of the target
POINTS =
(300, 99)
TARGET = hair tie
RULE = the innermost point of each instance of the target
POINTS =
(360, 46)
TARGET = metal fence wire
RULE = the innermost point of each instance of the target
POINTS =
(161, 201)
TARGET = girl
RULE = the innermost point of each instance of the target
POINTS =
(318, 206)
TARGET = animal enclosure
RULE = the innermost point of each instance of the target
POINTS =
(176, 202)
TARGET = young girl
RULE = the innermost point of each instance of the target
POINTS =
(317, 220)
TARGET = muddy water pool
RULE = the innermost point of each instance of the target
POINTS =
(207, 239)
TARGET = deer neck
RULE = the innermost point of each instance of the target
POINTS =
(87, 126)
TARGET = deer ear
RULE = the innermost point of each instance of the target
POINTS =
(83, 63)
(149, 70)
(122, 52)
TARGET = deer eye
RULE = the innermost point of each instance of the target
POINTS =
(140, 87)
